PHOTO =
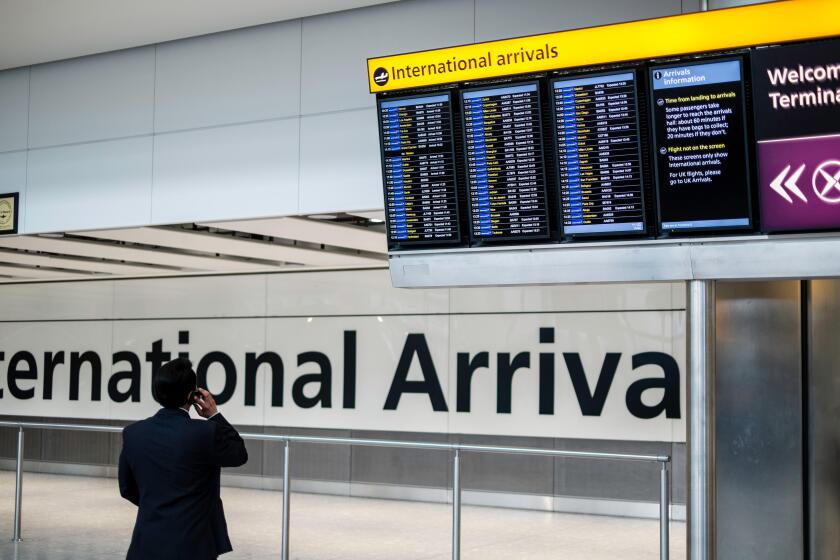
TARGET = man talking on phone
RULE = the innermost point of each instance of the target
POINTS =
(170, 467)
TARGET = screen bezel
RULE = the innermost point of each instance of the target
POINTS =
(479, 240)
(397, 245)
(748, 155)
(561, 216)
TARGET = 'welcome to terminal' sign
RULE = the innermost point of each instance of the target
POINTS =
(797, 107)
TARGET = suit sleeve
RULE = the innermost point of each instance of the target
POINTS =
(228, 447)
(128, 485)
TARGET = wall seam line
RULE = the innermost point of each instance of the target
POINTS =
(25, 225)
(300, 117)
(339, 111)
(475, 21)
(154, 118)
(195, 129)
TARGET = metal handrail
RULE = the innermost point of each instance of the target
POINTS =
(455, 448)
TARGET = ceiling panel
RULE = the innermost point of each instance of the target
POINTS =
(84, 265)
(91, 249)
(374, 215)
(229, 245)
(39, 273)
(312, 231)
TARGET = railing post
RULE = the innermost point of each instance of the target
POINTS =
(18, 487)
(664, 517)
(456, 505)
(287, 491)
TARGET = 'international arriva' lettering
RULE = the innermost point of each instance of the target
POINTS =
(455, 64)
(310, 390)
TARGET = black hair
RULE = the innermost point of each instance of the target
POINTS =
(173, 383)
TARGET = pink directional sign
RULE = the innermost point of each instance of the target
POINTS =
(797, 125)
(799, 181)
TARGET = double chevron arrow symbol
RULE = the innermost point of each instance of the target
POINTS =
(779, 184)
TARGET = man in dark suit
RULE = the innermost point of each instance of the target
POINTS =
(170, 467)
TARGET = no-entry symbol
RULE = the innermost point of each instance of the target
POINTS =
(826, 181)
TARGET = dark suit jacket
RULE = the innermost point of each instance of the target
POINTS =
(170, 466)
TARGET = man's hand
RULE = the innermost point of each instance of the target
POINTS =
(205, 406)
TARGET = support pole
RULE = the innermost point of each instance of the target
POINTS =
(664, 516)
(18, 487)
(456, 505)
(701, 313)
(287, 491)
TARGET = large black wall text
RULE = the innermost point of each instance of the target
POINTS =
(312, 383)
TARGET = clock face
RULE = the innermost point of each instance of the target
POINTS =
(7, 214)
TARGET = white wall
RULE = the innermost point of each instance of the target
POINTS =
(303, 312)
(719, 4)
(264, 121)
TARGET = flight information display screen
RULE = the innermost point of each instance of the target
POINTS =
(599, 154)
(421, 197)
(505, 167)
(700, 146)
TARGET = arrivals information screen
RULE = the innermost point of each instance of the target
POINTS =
(598, 154)
(504, 149)
(700, 146)
(419, 170)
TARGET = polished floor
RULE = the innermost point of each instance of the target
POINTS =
(72, 518)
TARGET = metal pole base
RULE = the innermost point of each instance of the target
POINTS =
(287, 492)
(664, 512)
(456, 505)
(16, 530)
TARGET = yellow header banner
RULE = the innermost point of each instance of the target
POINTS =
(759, 24)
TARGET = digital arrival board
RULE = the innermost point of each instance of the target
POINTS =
(700, 146)
(599, 154)
(505, 166)
(666, 130)
(419, 170)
